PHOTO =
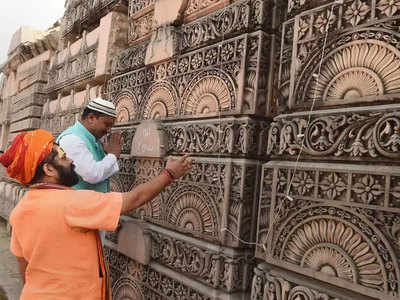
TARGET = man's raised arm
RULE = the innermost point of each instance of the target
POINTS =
(175, 169)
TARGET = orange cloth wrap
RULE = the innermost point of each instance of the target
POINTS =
(26, 153)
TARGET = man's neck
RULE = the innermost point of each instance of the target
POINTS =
(53, 186)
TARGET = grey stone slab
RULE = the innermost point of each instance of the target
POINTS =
(10, 279)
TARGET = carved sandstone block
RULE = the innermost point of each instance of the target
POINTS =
(217, 194)
(355, 134)
(149, 140)
(215, 266)
(139, 282)
(27, 124)
(208, 82)
(274, 283)
(167, 12)
(134, 241)
(163, 44)
(338, 223)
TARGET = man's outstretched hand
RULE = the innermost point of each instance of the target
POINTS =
(114, 146)
(146, 191)
(180, 166)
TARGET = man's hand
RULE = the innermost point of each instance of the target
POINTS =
(147, 191)
(114, 146)
(179, 167)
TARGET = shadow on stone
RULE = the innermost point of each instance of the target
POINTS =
(3, 294)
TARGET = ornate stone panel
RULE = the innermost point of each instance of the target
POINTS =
(81, 15)
(367, 133)
(217, 267)
(23, 101)
(208, 93)
(282, 90)
(358, 60)
(35, 74)
(339, 223)
(130, 59)
(140, 28)
(268, 285)
(130, 280)
(218, 88)
(218, 193)
(229, 136)
(73, 69)
(126, 288)
(124, 180)
(246, 15)
(136, 6)
(126, 107)
(218, 270)
(161, 101)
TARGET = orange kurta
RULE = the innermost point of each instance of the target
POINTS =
(55, 232)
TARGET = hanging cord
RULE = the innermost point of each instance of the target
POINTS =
(275, 216)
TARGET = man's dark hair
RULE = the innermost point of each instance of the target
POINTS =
(88, 111)
(39, 170)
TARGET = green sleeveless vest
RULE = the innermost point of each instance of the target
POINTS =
(95, 148)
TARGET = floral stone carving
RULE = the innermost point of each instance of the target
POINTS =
(333, 224)
(349, 133)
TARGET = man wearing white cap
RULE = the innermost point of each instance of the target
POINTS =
(81, 142)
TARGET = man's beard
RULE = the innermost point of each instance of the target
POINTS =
(67, 176)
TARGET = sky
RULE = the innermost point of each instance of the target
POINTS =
(39, 14)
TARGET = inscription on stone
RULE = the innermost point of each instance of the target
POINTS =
(149, 140)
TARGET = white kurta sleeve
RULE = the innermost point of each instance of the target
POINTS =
(90, 170)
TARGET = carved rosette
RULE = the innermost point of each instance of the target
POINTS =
(338, 242)
(160, 101)
(127, 289)
(335, 248)
(358, 69)
(209, 92)
(191, 210)
(126, 107)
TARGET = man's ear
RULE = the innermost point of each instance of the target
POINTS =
(49, 170)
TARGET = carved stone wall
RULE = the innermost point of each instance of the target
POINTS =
(209, 96)
(290, 111)
(328, 208)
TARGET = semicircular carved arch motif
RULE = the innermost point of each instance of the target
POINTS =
(160, 101)
(209, 92)
(353, 251)
(126, 107)
(191, 209)
(354, 71)
(127, 289)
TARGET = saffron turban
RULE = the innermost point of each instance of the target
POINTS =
(26, 153)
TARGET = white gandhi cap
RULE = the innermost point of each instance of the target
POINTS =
(103, 106)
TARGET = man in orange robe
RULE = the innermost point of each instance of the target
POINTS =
(55, 228)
